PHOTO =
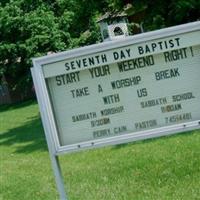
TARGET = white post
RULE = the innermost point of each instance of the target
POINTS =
(58, 177)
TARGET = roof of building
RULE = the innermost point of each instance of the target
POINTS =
(111, 15)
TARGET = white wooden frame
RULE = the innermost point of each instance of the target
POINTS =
(45, 105)
(46, 110)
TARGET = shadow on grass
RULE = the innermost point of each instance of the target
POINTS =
(27, 138)
(7, 107)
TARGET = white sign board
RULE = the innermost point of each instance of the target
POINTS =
(140, 87)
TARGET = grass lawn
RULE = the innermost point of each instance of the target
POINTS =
(157, 169)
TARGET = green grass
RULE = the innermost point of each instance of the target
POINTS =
(167, 168)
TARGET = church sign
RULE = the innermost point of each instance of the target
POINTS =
(140, 87)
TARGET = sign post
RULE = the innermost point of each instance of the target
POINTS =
(141, 87)
(54, 158)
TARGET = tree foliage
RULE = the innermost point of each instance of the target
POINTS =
(31, 28)
(162, 14)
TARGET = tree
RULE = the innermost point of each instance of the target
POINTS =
(26, 32)
(33, 28)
